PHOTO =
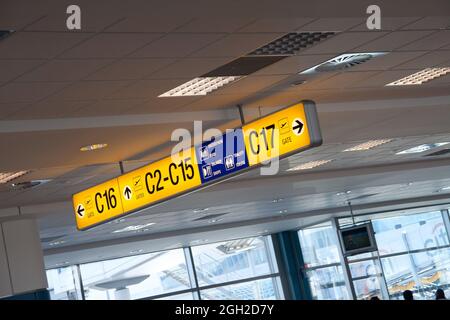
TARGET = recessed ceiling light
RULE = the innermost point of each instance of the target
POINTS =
(343, 193)
(277, 200)
(368, 145)
(134, 228)
(420, 77)
(198, 210)
(5, 33)
(5, 177)
(282, 211)
(291, 43)
(94, 147)
(215, 220)
(200, 86)
(56, 243)
(443, 189)
(194, 242)
(309, 165)
(423, 147)
(343, 61)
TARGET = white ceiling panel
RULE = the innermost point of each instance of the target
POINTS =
(41, 45)
(393, 40)
(12, 69)
(236, 45)
(110, 45)
(130, 69)
(287, 24)
(344, 42)
(430, 22)
(83, 90)
(177, 45)
(29, 91)
(64, 70)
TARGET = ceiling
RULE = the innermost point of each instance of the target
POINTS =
(61, 90)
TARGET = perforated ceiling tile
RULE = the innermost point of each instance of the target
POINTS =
(291, 43)
(243, 66)
(5, 33)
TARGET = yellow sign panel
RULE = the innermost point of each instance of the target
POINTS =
(97, 204)
(160, 180)
(277, 134)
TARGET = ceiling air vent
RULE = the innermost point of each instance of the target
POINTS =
(344, 61)
(27, 184)
(442, 152)
(5, 33)
(291, 43)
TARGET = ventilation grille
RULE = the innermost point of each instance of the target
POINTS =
(442, 152)
(344, 61)
(291, 43)
(243, 66)
(27, 184)
(5, 33)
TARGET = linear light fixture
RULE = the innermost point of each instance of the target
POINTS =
(368, 145)
(134, 228)
(422, 148)
(93, 147)
(5, 177)
(420, 77)
(309, 165)
(200, 86)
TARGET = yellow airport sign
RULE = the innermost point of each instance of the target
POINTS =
(279, 134)
(97, 204)
(160, 180)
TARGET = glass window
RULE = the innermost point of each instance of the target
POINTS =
(232, 260)
(410, 232)
(136, 277)
(181, 296)
(64, 284)
(328, 283)
(319, 246)
(367, 288)
(363, 269)
(421, 272)
(264, 289)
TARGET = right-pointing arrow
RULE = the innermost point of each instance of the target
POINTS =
(297, 126)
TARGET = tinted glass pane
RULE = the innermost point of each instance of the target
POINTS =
(319, 246)
(63, 283)
(265, 289)
(232, 260)
(422, 273)
(367, 288)
(136, 277)
(328, 283)
(405, 233)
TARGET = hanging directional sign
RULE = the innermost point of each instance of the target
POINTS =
(97, 204)
(281, 133)
(276, 135)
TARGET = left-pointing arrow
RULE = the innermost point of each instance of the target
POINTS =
(80, 210)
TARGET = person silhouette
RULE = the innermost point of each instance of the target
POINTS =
(408, 295)
(440, 294)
